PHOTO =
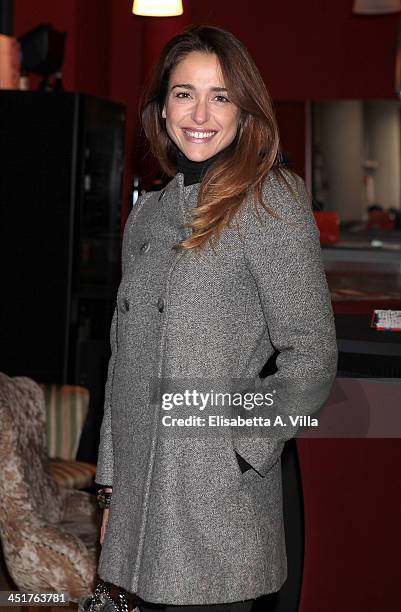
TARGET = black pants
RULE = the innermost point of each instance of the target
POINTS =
(237, 606)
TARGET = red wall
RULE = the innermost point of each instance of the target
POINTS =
(304, 50)
(316, 49)
(352, 497)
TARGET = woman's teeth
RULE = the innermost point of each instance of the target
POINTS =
(199, 135)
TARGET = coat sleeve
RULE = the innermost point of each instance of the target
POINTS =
(104, 468)
(284, 258)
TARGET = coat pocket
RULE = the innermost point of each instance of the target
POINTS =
(266, 499)
(243, 465)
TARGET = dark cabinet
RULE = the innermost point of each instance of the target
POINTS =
(60, 201)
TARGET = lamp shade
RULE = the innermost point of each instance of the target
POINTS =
(376, 7)
(157, 8)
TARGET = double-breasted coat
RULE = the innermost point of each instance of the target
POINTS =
(186, 526)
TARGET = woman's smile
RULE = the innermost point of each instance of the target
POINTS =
(196, 99)
(199, 136)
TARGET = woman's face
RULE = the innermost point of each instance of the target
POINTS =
(200, 118)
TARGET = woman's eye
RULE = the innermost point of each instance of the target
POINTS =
(183, 95)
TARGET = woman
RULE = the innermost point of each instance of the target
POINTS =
(220, 270)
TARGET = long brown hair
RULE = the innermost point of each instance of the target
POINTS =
(243, 166)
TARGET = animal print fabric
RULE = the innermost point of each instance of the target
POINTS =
(49, 534)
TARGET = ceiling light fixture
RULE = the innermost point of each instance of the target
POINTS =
(376, 7)
(157, 8)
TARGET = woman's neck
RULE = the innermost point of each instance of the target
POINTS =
(193, 171)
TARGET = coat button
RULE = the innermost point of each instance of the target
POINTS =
(124, 305)
(145, 247)
(160, 304)
(161, 195)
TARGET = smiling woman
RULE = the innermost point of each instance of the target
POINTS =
(196, 511)
(200, 118)
(207, 99)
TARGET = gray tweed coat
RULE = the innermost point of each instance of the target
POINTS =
(186, 526)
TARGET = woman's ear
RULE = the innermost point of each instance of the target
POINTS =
(164, 112)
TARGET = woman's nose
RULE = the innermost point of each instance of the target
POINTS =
(200, 113)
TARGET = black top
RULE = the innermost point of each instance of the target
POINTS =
(193, 171)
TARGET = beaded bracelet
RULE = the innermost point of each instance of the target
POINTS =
(104, 499)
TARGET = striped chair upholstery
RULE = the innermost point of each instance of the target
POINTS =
(66, 411)
(73, 474)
